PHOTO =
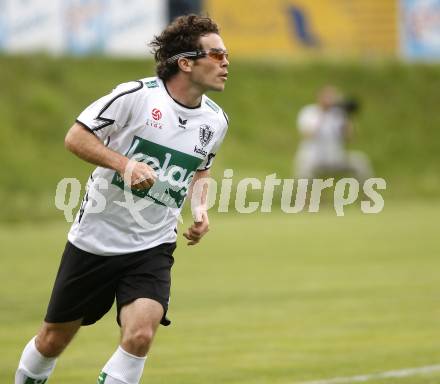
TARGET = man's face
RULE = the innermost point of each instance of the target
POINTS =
(208, 73)
(328, 97)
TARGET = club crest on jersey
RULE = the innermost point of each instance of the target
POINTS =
(205, 134)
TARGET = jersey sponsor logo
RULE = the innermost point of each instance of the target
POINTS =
(200, 151)
(212, 105)
(175, 171)
(152, 84)
(205, 134)
(182, 123)
(156, 114)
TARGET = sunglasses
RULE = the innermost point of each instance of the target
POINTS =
(213, 53)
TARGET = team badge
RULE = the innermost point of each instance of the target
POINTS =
(205, 134)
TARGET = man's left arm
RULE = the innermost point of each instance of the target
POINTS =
(198, 197)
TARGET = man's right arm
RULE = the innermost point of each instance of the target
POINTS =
(308, 122)
(88, 147)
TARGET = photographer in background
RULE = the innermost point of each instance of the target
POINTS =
(325, 129)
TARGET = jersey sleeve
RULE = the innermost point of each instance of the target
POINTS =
(308, 121)
(207, 163)
(111, 112)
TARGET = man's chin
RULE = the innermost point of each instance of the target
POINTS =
(217, 88)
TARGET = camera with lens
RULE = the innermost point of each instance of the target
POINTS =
(350, 105)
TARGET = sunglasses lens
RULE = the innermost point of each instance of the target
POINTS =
(218, 55)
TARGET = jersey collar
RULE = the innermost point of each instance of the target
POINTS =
(180, 106)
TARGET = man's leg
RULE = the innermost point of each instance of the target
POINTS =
(139, 322)
(359, 164)
(40, 354)
(305, 164)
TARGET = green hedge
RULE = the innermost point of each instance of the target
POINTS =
(398, 125)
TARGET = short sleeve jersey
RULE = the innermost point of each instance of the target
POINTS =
(142, 121)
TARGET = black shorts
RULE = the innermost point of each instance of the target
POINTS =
(87, 284)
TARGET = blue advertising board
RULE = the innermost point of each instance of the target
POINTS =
(3, 25)
(85, 26)
(420, 29)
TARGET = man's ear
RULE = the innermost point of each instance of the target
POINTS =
(185, 64)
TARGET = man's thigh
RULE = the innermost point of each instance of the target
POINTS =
(141, 313)
(147, 275)
(84, 287)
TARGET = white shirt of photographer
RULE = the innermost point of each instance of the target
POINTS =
(323, 143)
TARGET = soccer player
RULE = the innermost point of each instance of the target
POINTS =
(151, 139)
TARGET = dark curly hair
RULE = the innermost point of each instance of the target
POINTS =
(182, 35)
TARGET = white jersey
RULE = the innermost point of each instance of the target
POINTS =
(142, 121)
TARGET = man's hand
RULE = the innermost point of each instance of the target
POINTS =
(198, 229)
(138, 175)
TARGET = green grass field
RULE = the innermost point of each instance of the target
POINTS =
(271, 298)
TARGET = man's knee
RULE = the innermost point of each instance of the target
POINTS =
(51, 344)
(54, 338)
(139, 339)
(139, 321)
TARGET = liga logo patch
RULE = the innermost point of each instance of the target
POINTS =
(174, 169)
(156, 114)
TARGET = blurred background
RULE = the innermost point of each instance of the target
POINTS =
(57, 56)
(267, 298)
